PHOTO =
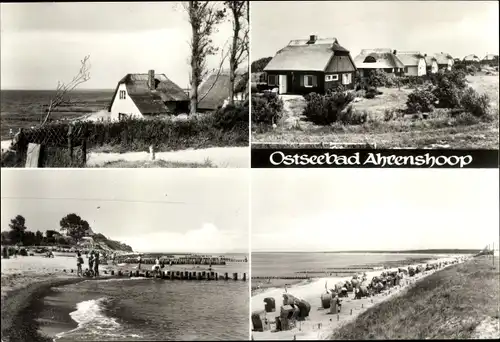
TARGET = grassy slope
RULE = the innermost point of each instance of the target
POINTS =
(402, 132)
(448, 304)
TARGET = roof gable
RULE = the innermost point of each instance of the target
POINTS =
(410, 58)
(377, 59)
(151, 101)
(304, 55)
(215, 89)
(443, 58)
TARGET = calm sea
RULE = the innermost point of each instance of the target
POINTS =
(148, 309)
(289, 264)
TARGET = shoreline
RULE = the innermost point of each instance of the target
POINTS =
(320, 324)
(18, 319)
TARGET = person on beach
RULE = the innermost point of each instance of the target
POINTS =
(91, 261)
(96, 264)
(139, 260)
(156, 267)
(114, 259)
(79, 263)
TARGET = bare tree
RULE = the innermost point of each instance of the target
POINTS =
(223, 56)
(64, 89)
(240, 17)
(204, 16)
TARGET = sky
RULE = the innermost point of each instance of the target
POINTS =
(373, 209)
(43, 43)
(153, 210)
(456, 27)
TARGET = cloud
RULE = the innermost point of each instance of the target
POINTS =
(206, 239)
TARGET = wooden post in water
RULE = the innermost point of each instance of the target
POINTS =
(226, 276)
(235, 276)
(244, 276)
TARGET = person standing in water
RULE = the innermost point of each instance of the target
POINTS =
(139, 260)
(96, 264)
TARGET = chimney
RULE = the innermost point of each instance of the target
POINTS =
(312, 39)
(425, 55)
(395, 52)
(151, 80)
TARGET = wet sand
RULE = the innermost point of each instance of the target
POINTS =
(320, 323)
(24, 281)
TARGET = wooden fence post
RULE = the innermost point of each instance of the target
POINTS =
(70, 141)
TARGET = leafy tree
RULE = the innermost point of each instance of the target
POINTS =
(260, 64)
(240, 17)
(17, 228)
(203, 16)
(6, 238)
(74, 226)
(38, 238)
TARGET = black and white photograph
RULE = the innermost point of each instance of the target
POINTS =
(374, 254)
(375, 74)
(125, 84)
(125, 255)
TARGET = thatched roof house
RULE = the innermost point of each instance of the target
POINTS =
(413, 61)
(471, 58)
(310, 65)
(490, 59)
(431, 64)
(214, 91)
(142, 95)
(379, 59)
(444, 60)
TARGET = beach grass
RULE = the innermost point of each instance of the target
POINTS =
(458, 302)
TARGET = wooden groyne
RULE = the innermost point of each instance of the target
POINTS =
(284, 277)
(180, 261)
(175, 275)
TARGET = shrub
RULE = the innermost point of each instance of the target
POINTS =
(326, 109)
(350, 116)
(389, 114)
(466, 119)
(447, 93)
(474, 103)
(266, 109)
(231, 116)
(23, 251)
(420, 101)
(379, 78)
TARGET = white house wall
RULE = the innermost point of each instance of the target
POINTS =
(411, 71)
(434, 67)
(124, 106)
(422, 67)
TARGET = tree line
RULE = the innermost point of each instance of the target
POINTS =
(72, 229)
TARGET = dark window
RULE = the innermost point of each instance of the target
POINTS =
(122, 94)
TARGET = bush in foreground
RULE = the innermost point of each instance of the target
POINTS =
(329, 108)
(475, 103)
(420, 101)
(267, 109)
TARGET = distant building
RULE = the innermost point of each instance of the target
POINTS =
(431, 64)
(444, 60)
(311, 65)
(147, 95)
(379, 59)
(413, 61)
(213, 93)
(471, 59)
(490, 59)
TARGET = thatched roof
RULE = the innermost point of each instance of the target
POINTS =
(151, 102)
(302, 55)
(443, 58)
(430, 59)
(377, 59)
(409, 58)
(471, 58)
(216, 88)
(490, 57)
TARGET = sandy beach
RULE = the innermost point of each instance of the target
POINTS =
(25, 279)
(320, 324)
